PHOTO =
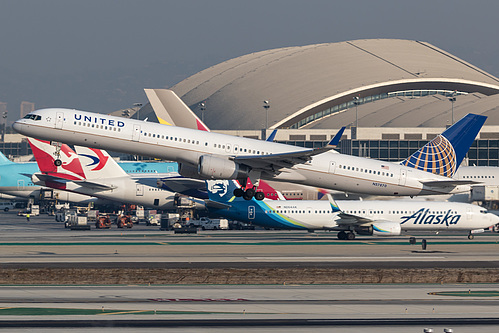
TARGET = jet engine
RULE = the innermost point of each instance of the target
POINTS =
(188, 171)
(380, 228)
(213, 167)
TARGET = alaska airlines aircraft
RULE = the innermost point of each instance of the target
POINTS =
(217, 156)
(378, 218)
(93, 172)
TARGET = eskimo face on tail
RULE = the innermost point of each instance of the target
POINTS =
(437, 157)
(221, 190)
(219, 187)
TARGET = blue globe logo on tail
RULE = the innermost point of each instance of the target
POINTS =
(437, 157)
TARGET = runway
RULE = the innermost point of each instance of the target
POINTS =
(45, 247)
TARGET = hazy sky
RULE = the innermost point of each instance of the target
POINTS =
(98, 55)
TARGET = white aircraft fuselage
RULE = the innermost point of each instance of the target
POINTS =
(197, 149)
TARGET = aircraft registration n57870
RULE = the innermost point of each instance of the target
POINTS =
(211, 155)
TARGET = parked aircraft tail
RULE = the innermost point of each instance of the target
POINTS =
(444, 154)
(98, 164)
(221, 190)
(4, 160)
(171, 110)
(45, 154)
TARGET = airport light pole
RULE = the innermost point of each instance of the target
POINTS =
(356, 102)
(266, 106)
(452, 99)
(203, 108)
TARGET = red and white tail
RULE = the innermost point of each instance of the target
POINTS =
(98, 164)
(45, 154)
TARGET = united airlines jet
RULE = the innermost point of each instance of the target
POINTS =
(378, 218)
(211, 155)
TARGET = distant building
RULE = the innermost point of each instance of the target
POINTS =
(27, 107)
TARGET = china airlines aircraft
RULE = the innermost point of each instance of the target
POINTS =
(377, 218)
(93, 172)
(211, 155)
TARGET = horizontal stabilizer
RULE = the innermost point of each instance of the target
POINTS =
(216, 204)
(448, 183)
(94, 185)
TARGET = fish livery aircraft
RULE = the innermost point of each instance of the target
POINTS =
(211, 155)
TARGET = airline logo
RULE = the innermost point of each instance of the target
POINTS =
(44, 155)
(99, 160)
(422, 216)
(219, 187)
(437, 157)
(99, 120)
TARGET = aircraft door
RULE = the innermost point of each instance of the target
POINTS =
(469, 213)
(332, 166)
(403, 177)
(20, 184)
(136, 132)
(140, 190)
(251, 212)
(59, 120)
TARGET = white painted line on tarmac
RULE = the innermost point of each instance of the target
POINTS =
(349, 258)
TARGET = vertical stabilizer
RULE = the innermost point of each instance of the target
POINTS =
(45, 154)
(221, 190)
(171, 110)
(98, 164)
(4, 160)
(444, 154)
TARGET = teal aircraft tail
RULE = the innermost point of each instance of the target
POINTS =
(4, 160)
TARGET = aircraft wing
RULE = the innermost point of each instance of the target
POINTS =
(285, 160)
(181, 184)
(448, 183)
(350, 219)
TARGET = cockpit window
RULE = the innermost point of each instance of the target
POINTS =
(33, 117)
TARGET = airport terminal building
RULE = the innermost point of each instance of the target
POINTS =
(400, 93)
(393, 96)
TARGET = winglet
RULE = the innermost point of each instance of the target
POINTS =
(272, 136)
(333, 203)
(334, 141)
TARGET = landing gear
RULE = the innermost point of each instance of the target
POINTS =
(342, 235)
(471, 236)
(249, 193)
(259, 196)
(57, 153)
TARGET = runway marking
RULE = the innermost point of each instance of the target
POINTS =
(123, 312)
(347, 258)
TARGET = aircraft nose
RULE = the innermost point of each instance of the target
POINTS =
(494, 218)
(17, 126)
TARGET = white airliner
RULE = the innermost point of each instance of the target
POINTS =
(378, 218)
(217, 156)
(93, 172)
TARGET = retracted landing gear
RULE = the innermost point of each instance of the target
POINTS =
(346, 235)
